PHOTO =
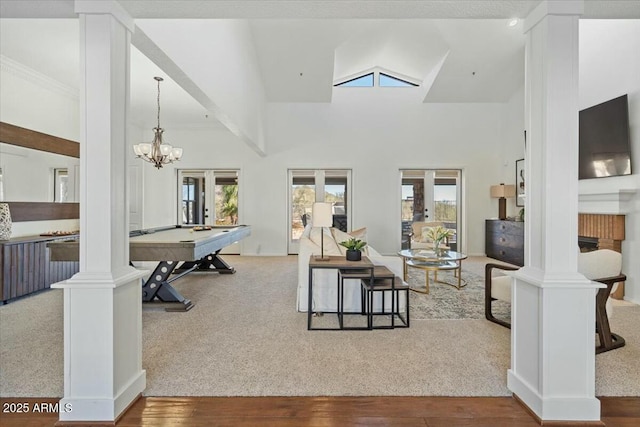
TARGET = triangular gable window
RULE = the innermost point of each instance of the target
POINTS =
(385, 80)
(362, 81)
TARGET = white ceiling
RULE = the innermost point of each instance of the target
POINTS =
(304, 46)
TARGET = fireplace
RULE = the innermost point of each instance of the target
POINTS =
(602, 231)
(587, 244)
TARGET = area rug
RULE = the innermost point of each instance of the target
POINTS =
(447, 302)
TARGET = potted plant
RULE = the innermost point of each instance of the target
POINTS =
(354, 248)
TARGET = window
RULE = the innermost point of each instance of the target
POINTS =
(362, 81)
(385, 80)
(61, 185)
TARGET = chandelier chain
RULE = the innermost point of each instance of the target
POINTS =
(158, 104)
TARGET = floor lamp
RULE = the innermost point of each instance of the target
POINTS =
(501, 192)
(322, 216)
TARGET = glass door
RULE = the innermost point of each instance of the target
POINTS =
(431, 195)
(209, 197)
(226, 197)
(307, 186)
(192, 205)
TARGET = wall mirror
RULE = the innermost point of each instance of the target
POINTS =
(38, 174)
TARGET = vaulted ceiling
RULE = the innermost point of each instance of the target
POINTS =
(461, 51)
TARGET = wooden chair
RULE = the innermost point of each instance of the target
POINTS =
(602, 266)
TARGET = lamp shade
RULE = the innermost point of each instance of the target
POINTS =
(507, 191)
(322, 215)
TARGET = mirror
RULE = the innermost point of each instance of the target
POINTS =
(29, 175)
(38, 174)
(36, 167)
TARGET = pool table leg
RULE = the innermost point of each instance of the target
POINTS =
(211, 262)
(158, 286)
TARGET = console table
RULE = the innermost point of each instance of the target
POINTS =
(26, 267)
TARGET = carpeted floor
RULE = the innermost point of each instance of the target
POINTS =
(244, 338)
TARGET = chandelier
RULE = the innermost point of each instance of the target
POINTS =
(157, 152)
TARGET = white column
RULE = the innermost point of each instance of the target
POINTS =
(552, 342)
(102, 303)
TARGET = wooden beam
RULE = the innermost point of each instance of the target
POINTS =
(43, 211)
(15, 135)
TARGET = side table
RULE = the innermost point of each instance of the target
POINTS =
(385, 281)
(363, 267)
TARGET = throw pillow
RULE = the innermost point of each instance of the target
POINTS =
(360, 233)
(307, 231)
(341, 236)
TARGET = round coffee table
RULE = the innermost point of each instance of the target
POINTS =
(430, 260)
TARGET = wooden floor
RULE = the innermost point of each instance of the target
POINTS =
(321, 412)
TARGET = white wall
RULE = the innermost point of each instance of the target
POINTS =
(31, 100)
(221, 57)
(512, 143)
(375, 140)
(610, 67)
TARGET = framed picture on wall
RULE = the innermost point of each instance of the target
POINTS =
(519, 182)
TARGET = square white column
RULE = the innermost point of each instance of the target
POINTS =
(103, 303)
(553, 306)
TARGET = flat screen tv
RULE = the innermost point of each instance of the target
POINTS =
(604, 142)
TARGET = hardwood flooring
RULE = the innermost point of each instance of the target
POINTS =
(322, 412)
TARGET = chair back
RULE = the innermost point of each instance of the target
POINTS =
(417, 227)
(600, 264)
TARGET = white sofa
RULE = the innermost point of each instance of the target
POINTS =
(325, 280)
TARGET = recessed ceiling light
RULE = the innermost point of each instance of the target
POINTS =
(513, 22)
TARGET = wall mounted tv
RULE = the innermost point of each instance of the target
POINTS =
(605, 146)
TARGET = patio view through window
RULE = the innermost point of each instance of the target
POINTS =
(310, 186)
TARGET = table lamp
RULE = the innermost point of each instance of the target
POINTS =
(502, 192)
(322, 216)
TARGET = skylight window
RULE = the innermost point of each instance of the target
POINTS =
(376, 78)
(385, 80)
(362, 81)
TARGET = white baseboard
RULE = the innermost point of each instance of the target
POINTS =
(96, 409)
(563, 408)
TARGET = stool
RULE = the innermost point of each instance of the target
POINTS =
(384, 284)
(360, 274)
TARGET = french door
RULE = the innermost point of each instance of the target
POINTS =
(209, 197)
(431, 195)
(307, 186)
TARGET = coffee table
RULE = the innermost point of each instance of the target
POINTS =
(430, 260)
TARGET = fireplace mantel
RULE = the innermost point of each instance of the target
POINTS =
(616, 202)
